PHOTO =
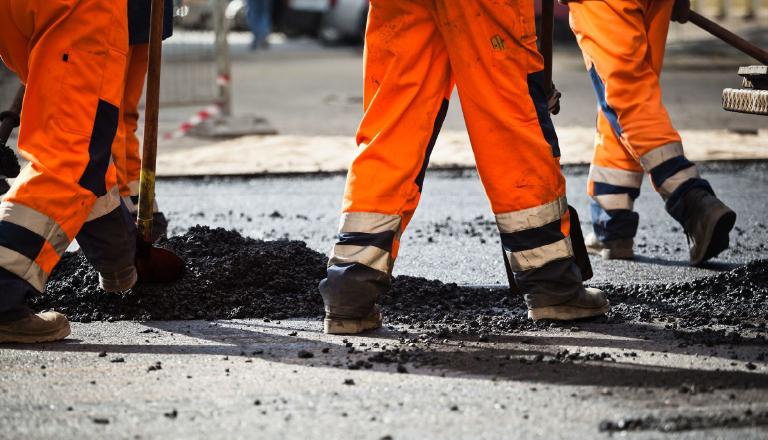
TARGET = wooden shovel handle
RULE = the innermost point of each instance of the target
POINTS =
(152, 108)
(547, 37)
(729, 37)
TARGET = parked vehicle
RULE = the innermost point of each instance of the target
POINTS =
(297, 17)
(237, 14)
(345, 21)
(193, 14)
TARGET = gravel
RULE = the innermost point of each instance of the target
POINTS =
(230, 276)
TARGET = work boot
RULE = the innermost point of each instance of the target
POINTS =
(119, 281)
(345, 325)
(620, 248)
(707, 222)
(588, 302)
(42, 327)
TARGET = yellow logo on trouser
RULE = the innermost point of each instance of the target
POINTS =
(498, 43)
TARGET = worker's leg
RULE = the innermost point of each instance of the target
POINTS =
(128, 163)
(126, 149)
(73, 69)
(500, 78)
(119, 144)
(614, 183)
(615, 175)
(135, 77)
(621, 54)
(407, 82)
(623, 43)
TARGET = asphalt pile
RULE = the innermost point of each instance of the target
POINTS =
(230, 276)
(226, 276)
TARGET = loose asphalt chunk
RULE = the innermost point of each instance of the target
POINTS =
(230, 276)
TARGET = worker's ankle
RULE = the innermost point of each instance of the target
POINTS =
(119, 281)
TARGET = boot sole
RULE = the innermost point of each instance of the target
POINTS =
(566, 313)
(718, 237)
(612, 254)
(337, 326)
(53, 335)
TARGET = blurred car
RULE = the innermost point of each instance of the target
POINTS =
(345, 21)
(237, 14)
(193, 14)
(291, 17)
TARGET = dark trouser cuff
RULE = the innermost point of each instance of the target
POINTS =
(613, 224)
(675, 204)
(109, 242)
(14, 292)
(551, 284)
(351, 289)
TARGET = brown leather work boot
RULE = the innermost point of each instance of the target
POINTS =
(42, 327)
(707, 223)
(342, 325)
(588, 302)
(620, 249)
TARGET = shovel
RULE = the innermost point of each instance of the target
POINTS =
(153, 264)
(729, 37)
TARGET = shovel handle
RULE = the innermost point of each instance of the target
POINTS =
(729, 37)
(152, 107)
(547, 37)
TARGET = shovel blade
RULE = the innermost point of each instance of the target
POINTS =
(158, 265)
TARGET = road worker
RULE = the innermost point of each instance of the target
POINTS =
(623, 43)
(72, 57)
(415, 52)
(126, 147)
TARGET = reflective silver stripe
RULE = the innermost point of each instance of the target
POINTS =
(535, 258)
(105, 204)
(22, 266)
(658, 156)
(36, 222)
(369, 222)
(614, 201)
(670, 185)
(613, 176)
(530, 218)
(370, 256)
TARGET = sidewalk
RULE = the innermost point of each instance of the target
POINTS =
(306, 154)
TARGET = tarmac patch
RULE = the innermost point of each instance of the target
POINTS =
(230, 276)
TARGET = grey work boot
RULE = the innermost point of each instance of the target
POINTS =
(620, 249)
(119, 281)
(342, 325)
(707, 223)
(589, 302)
(42, 327)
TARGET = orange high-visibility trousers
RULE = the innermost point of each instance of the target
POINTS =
(414, 52)
(126, 148)
(71, 56)
(623, 43)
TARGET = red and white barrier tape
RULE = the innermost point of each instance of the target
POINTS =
(190, 123)
(223, 80)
